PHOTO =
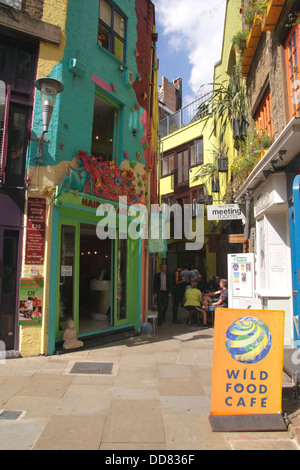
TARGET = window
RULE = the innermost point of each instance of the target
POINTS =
(112, 30)
(179, 162)
(292, 58)
(17, 145)
(167, 165)
(196, 150)
(183, 166)
(104, 130)
(263, 117)
(17, 72)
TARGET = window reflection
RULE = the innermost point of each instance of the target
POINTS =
(121, 281)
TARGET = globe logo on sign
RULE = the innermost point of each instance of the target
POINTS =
(248, 340)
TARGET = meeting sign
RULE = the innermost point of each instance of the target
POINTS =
(225, 212)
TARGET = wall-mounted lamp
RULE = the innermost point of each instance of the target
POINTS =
(49, 88)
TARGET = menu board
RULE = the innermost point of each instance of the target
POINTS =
(35, 233)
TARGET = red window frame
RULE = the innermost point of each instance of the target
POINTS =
(263, 116)
(292, 53)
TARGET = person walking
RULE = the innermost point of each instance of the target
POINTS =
(162, 289)
(178, 293)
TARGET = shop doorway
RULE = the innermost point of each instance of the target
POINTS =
(9, 240)
(96, 283)
(93, 280)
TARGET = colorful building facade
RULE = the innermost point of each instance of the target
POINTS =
(195, 168)
(272, 187)
(102, 146)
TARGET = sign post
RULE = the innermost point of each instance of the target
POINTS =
(247, 371)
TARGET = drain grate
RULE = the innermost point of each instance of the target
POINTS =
(92, 368)
(10, 415)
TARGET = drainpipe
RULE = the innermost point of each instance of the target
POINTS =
(248, 200)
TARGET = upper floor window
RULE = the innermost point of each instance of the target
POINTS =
(263, 116)
(17, 71)
(181, 160)
(112, 29)
(167, 165)
(196, 151)
(292, 48)
(104, 137)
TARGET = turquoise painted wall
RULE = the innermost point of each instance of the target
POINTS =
(71, 124)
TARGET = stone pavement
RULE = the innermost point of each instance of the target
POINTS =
(156, 397)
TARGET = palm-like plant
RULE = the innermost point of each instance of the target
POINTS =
(227, 102)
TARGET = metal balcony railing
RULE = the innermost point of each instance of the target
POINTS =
(193, 112)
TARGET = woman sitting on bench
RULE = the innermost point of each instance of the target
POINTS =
(193, 299)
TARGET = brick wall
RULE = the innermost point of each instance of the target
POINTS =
(171, 94)
(33, 8)
(268, 70)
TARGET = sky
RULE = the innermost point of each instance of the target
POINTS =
(190, 34)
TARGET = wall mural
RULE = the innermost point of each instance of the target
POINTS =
(102, 179)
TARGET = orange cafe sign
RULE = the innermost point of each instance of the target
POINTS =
(247, 370)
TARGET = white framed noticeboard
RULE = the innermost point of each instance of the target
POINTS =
(241, 275)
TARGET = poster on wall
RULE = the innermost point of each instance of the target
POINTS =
(241, 277)
(35, 231)
(31, 301)
(247, 370)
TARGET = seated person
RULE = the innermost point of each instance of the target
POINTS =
(211, 285)
(210, 305)
(193, 299)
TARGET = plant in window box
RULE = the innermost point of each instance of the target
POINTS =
(254, 12)
(249, 154)
(239, 40)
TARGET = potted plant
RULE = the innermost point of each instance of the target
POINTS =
(228, 104)
(215, 186)
(221, 153)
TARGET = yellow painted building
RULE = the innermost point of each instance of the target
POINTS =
(195, 149)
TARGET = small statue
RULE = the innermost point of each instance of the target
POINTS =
(70, 337)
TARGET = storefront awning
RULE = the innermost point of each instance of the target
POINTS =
(282, 152)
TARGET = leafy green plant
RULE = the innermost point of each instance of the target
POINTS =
(227, 101)
(254, 9)
(249, 154)
(239, 40)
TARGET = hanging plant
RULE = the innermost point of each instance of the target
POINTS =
(239, 40)
(227, 102)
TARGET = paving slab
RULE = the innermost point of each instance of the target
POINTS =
(186, 386)
(36, 408)
(71, 433)
(84, 400)
(19, 435)
(134, 421)
(45, 385)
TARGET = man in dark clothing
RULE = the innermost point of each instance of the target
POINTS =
(162, 289)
